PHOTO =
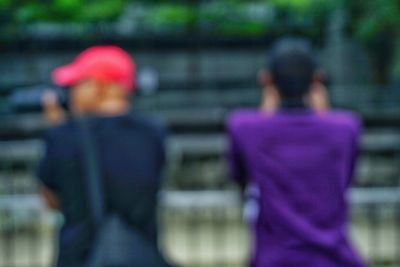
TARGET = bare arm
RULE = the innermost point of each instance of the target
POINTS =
(318, 98)
(52, 111)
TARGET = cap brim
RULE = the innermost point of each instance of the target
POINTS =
(66, 75)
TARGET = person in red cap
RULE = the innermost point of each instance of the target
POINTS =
(129, 155)
(101, 77)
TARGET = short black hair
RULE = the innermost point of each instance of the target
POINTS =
(292, 65)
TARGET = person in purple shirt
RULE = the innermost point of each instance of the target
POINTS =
(300, 157)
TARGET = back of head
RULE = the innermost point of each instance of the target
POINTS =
(292, 66)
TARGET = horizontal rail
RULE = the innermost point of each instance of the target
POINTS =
(210, 199)
(192, 144)
(195, 115)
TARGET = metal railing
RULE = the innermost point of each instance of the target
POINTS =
(199, 228)
(203, 227)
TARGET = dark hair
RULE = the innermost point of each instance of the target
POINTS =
(292, 66)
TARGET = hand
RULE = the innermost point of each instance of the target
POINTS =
(270, 99)
(52, 111)
(49, 197)
(318, 98)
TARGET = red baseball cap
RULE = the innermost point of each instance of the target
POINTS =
(101, 63)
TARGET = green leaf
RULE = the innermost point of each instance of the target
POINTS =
(101, 10)
(31, 12)
(5, 3)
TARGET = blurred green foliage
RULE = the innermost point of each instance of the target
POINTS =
(304, 6)
(368, 17)
(26, 11)
(377, 25)
(232, 17)
(308, 17)
(371, 17)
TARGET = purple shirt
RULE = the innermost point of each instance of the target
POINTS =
(302, 164)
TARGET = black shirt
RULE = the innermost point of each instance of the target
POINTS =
(131, 159)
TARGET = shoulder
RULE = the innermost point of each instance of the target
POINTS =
(60, 139)
(149, 122)
(240, 119)
(60, 131)
(345, 119)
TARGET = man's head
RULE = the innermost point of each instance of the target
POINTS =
(98, 74)
(291, 70)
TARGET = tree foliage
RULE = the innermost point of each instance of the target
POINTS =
(221, 17)
(377, 25)
(26, 11)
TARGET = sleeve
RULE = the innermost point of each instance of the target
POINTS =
(46, 169)
(236, 164)
(355, 149)
(162, 134)
(163, 140)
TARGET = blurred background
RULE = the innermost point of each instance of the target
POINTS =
(197, 60)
